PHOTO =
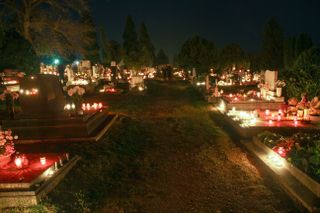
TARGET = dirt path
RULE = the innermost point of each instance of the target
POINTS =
(197, 167)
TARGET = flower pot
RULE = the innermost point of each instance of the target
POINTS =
(279, 91)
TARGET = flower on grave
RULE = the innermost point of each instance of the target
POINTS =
(7, 142)
(8, 94)
(76, 94)
(280, 83)
(76, 91)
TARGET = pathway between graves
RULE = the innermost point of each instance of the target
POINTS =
(196, 167)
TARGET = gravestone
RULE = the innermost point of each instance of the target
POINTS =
(69, 73)
(41, 96)
(271, 78)
(207, 82)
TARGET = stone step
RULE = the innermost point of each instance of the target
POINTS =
(57, 128)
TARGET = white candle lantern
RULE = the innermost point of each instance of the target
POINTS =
(43, 160)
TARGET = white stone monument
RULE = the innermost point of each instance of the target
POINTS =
(271, 78)
(69, 73)
(207, 83)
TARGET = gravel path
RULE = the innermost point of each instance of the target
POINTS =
(197, 167)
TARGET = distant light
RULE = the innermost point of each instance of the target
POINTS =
(56, 61)
(77, 62)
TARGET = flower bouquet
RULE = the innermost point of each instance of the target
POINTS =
(6, 146)
(280, 84)
(76, 93)
(9, 97)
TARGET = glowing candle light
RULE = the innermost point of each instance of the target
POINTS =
(270, 122)
(267, 112)
(43, 160)
(230, 95)
(279, 117)
(18, 162)
(100, 105)
(258, 94)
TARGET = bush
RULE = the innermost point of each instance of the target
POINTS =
(17, 53)
(303, 77)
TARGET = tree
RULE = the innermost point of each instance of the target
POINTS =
(197, 53)
(289, 53)
(147, 55)
(91, 46)
(17, 53)
(105, 46)
(51, 26)
(130, 44)
(233, 55)
(161, 58)
(117, 52)
(305, 74)
(303, 42)
(272, 45)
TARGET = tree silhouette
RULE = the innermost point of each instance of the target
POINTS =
(51, 26)
(147, 54)
(272, 46)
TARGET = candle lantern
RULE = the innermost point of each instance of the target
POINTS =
(43, 160)
(300, 113)
(18, 162)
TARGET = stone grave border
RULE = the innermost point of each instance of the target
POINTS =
(302, 189)
(24, 197)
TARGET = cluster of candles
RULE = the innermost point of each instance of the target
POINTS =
(51, 73)
(272, 117)
(237, 96)
(80, 82)
(21, 161)
(10, 82)
(94, 106)
(247, 118)
(70, 106)
(110, 90)
(201, 83)
(30, 92)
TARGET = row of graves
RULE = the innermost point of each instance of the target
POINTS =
(38, 111)
(114, 79)
(283, 135)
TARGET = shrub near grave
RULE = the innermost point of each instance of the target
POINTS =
(301, 149)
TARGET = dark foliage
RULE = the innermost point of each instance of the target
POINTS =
(17, 53)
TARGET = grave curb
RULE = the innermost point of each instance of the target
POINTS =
(293, 185)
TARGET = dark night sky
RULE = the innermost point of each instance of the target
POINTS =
(225, 21)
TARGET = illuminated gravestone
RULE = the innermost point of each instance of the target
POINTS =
(41, 96)
(85, 67)
(44, 117)
(271, 78)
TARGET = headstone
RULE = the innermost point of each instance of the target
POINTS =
(41, 96)
(136, 80)
(271, 78)
(95, 71)
(194, 73)
(207, 83)
(113, 64)
(69, 73)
